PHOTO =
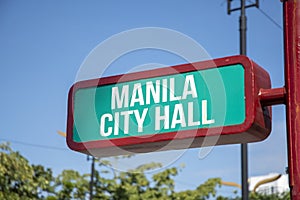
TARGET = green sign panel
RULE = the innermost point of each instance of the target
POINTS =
(160, 105)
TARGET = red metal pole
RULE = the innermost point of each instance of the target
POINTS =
(292, 84)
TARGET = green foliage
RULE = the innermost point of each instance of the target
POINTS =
(135, 185)
(21, 181)
(71, 185)
(257, 196)
(202, 192)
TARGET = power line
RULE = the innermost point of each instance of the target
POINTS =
(262, 12)
(34, 145)
(268, 17)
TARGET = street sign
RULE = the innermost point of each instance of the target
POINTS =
(169, 108)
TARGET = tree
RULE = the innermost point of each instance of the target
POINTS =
(202, 192)
(71, 185)
(258, 196)
(134, 185)
(19, 179)
(276, 196)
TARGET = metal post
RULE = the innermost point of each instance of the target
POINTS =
(243, 41)
(243, 29)
(244, 146)
(292, 83)
(92, 177)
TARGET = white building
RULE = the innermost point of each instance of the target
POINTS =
(278, 186)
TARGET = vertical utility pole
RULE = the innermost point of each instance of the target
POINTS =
(243, 29)
(291, 12)
(243, 48)
(244, 146)
(92, 176)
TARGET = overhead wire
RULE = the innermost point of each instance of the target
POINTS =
(268, 17)
(263, 13)
(34, 145)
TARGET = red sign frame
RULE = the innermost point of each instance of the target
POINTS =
(256, 127)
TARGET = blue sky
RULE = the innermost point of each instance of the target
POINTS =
(44, 43)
